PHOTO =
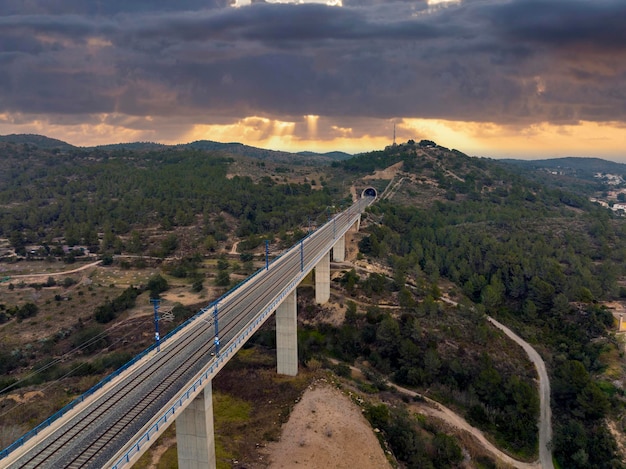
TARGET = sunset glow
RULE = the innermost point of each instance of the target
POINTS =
(490, 78)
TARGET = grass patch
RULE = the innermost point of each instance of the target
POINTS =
(229, 409)
(611, 358)
(169, 459)
(223, 457)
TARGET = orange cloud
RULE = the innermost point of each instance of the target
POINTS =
(317, 133)
(543, 140)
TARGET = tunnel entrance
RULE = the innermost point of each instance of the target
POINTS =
(369, 192)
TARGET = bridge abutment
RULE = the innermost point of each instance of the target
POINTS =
(287, 336)
(322, 280)
(194, 433)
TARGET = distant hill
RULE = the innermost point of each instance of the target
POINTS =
(134, 146)
(39, 141)
(232, 148)
(582, 167)
(584, 175)
(334, 155)
(259, 153)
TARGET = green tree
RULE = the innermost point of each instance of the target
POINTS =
(351, 312)
(18, 242)
(197, 286)
(448, 451)
(349, 280)
(388, 336)
(169, 245)
(157, 285)
(222, 264)
(222, 279)
(28, 310)
(135, 243)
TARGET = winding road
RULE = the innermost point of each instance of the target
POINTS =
(545, 412)
(435, 409)
(545, 416)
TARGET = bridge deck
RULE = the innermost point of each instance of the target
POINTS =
(111, 420)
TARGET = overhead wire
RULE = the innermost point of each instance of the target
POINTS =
(72, 370)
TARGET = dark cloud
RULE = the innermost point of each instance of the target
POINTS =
(599, 25)
(516, 61)
(103, 7)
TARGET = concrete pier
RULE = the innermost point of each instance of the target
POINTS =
(339, 250)
(322, 280)
(287, 336)
(194, 433)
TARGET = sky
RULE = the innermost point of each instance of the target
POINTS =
(495, 78)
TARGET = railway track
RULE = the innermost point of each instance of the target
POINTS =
(108, 420)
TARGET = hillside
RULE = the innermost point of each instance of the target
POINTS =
(233, 149)
(538, 256)
(335, 155)
(584, 168)
(583, 175)
(133, 146)
(39, 141)
(191, 222)
(258, 153)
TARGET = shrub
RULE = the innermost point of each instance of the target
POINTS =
(28, 310)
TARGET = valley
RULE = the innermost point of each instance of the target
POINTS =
(490, 239)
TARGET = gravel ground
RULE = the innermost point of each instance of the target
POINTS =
(325, 429)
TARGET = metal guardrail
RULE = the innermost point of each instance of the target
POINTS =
(50, 420)
(206, 376)
(219, 360)
(60, 413)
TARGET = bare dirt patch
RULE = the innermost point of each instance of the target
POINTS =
(24, 398)
(619, 438)
(618, 308)
(325, 429)
(387, 173)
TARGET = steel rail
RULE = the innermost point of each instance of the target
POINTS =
(237, 309)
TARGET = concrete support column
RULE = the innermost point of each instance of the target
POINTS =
(357, 224)
(287, 336)
(194, 433)
(322, 280)
(339, 250)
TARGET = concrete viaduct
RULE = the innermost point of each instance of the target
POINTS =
(115, 422)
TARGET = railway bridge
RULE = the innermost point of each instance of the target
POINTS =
(115, 422)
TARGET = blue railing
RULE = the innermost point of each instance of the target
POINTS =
(219, 360)
(50, 420)
(207, 375)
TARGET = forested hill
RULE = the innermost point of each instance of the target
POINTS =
(541, 258)
(335, 155)
(534, 252)
(81, 196)
(587, 168)
(36, 140)
(581, 174)
(303, 158)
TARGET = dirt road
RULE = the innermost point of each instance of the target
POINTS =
(63, 272)
(545, 416)
(545, 413)
(434, 409)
